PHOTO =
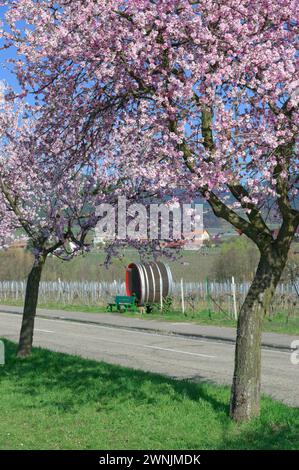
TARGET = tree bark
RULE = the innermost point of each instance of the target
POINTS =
(31, 299)
(245, 393)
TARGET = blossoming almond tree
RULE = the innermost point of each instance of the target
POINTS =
(44, 197)
(204, 98)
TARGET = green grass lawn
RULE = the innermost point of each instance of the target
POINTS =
(276, 324)
(56, 401)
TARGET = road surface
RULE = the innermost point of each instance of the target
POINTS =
(179, 357)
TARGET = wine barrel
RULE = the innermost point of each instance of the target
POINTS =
(148, 280)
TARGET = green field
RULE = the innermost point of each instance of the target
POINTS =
(239, 260)
(56, 401)
(276, 324)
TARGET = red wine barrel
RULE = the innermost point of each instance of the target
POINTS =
(148, 280)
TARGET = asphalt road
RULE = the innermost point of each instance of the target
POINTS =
(179, 357)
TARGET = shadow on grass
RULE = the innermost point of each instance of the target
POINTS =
(89, 380)
(65, 383)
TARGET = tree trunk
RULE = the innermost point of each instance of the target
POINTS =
(31, 298)
(245, 394)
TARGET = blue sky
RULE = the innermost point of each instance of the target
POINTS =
(5, 69)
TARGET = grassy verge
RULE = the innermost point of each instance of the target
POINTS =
(277, 324)
(57, 401)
